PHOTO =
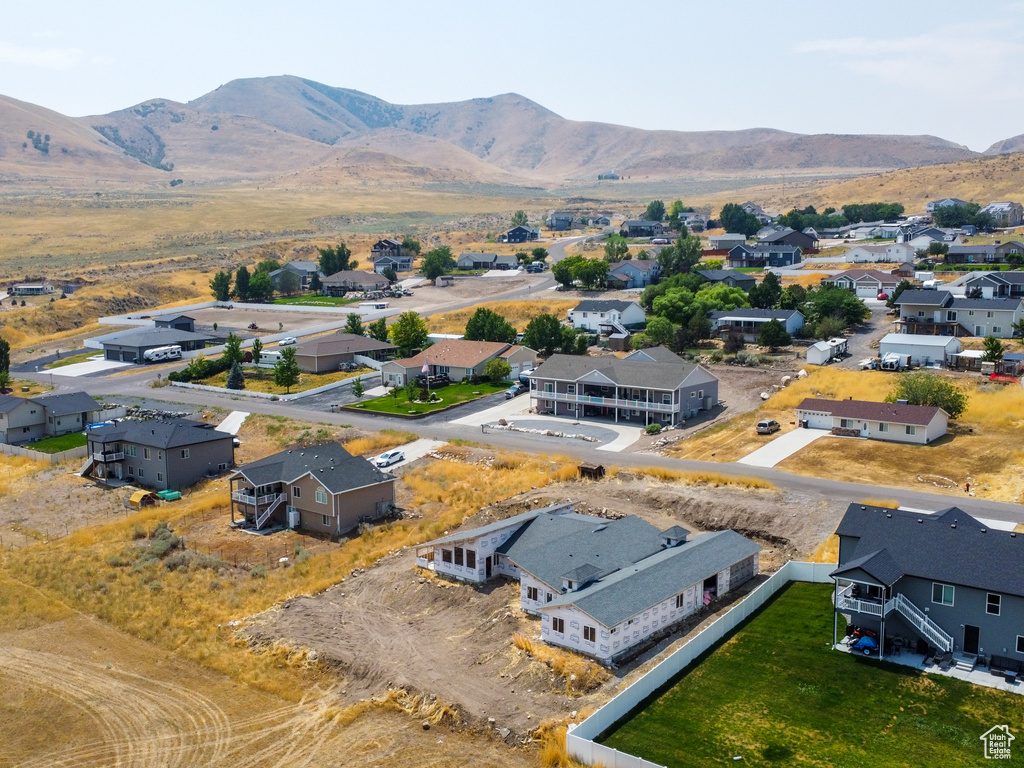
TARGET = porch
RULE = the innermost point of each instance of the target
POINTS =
(256, 505)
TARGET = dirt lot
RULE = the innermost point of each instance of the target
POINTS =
(238, 318)
(389, 626)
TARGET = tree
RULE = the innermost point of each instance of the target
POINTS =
(839, 303)
(5, 381)
(411, 247)
(437, 262)
(232, 350)
(378, 329)
(659, 331)
(286, 370)
(767, 293)
(287, 282)
(1018, 328)
(5, 355)
(792, 297)
(592, 273)
(242, 283)
(655, 211)
(412, 389)
(539, 253)
(408, 332)
(486, 325)
(268, 265)
(315, 284)
(922, 388)
(615, 248)
(681, 257)
(261, 287)
(390, 275)
(564, 271)
(257, 354)
(936, 248)
(733, 342)
(674, 212)
(333, 260)
(699, 328)
(354, 324)
(574, 342)
(543, 334)
(902, 286)
(773, 335)
(221, 286)
(497, 369)
(235, 378)
(357, 388)
(519, 218)
(734, 219)
(994, 350)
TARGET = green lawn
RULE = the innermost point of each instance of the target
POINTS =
(776, 694)
(453, 394)
(315, 301)
(58, 444)
(79, 358)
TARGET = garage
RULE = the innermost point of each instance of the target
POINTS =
(920, 348)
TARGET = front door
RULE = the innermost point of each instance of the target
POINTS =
(487, 565)
(971, 635)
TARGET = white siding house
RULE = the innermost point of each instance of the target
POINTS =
(892, 422)
(599, 316)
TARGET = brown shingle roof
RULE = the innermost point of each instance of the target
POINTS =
(341, 344)
(457, 353)
(866, 410)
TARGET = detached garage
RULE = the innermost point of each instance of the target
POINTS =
(920, 348)
(129, 346)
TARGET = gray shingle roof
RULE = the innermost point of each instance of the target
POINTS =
(498, 525)
(631, 372)
(635, 588)
(341, 344)
(71, 402)
(930, 298)
(599, 305)
(174, 433)
(155, 337)
(718, 275)
(950, 547)
(9, 402)
(879, 565)
(330, 464)
(655, 355)
(1007, 305)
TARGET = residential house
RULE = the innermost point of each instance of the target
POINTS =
(598, 221)
(634, 273)
(601, 587)
(941, 313)
(175, 322)
(919, 349)
(893, 422)
(129, 346)
(996, 253)
(324, 354)
(401, 263)
(305, 270)
(865, 283)
(789, 236)
(647, 386)
(387, 247)
(892, 253)
(68, 412)
(559, 221)
(607, 316)
(996, 284)
(641, 228)
(340, 283)
(322, 488)
(920, 238)
(948, 202)
(1005, 214)
(762, 216)
(727, 241)
(936, 582)
(748, 321)
(21, 420)
(457, 359)
(159, 455)
(729, 277)
(31, 289)
(520, 234)
(471, 260)
(761, 255)
(695, 221)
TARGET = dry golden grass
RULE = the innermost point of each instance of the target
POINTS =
(518, 313)
(264, 382)
(886, 503)
(714, 479)
(579, 673)
(14, 468)
(804, 279)
(827, 551)
(379, 442)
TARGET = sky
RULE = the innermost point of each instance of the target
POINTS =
(900, 66)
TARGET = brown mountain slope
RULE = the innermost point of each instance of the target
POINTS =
(74, 152)
(1013, 144)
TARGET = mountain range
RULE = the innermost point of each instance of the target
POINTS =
(290, 130)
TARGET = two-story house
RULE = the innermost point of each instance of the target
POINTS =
(941, 313)
(997, 253)
(1007, 214)
(305, 270)
(641, 228)
(789, 236)
(25, 420)
(322, 488)
(634, 273)
(606, 316)
(761, 255)
(996, 285)
(944, 579)
(159, 455)
(520, 234)
(647, 386)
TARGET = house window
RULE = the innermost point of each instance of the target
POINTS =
(549, 386)
(883, 427)
(992, 604)
(590, 634)
(443, 370)
(321, 496)
(911, 429)
(471, 558)
(693, 395)
(296, 492)
(989, 314)
(1020, 644)
(142, 472)
(558, 625)
(160, 456)
(700, 393)
(145, 453)
(130, 450)
(459, 556)
(548, 597)
(531, 593)
(680, 601)
(666, 398)
(159, 477)
(446, 556)
(184, 453)
(942, 593)
(570, 389)
(997, 329)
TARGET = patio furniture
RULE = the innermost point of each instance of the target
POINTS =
(946, 661)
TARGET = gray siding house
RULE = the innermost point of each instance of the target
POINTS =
(129, 346)
(24, 420)
(942, 582)
(159, 455)
(942, 313)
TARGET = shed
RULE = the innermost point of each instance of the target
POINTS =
(141, 499)
(822, 352)
(591, 471)
(968, 360)
(922, 349)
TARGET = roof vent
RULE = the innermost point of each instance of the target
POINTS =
(953, 524)
(600, 528)
(863, 507)
(920, 520)
(888, 514)
(984, 530)
(1013, 534)
(902, 402)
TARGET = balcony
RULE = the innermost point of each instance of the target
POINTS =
(845, 601)
(246, 498)
(105, 457)
(611, 402)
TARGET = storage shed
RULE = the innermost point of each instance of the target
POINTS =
(822, 352)
(920, 348)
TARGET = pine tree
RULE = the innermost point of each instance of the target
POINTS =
(286, 370)
(236, 380)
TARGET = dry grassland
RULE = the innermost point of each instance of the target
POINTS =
(518, 313)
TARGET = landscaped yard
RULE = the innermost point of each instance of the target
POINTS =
(264, 382)
(315, 301)
(72, 359)
(776, 694)
(453, 394)
(58, 444)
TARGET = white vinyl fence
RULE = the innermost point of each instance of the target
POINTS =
(580, 738)
(53, 458)
(282, 398)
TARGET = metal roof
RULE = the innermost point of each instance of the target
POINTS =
(918, 339)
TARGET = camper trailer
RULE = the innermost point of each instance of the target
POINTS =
(159, 354)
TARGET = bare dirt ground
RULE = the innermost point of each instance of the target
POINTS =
(239, 317)
(388, 626)
(429, 298)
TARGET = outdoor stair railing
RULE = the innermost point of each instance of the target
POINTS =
(265, 514)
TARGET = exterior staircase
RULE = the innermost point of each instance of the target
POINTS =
(263, 516)
(928, 629)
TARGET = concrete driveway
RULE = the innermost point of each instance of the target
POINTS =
(417, 449)
(505, 409)
(782, 447)
(88, 367)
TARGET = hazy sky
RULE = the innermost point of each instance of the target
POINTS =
(901, 66)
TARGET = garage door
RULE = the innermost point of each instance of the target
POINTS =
(127, 356)
(111, 354)
(866, 293)
(817, 421)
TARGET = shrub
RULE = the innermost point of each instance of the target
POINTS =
(653, 429)
(259, 572)
(716, 356)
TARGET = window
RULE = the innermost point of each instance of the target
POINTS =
(951, 316)
(160, 456)
(159, 477)
(846, 423)
(590, 634)
(296, 492)
(142, 472)
(443, 370)
(989, 314)
(446, 556)
(942, 593)
(700, 393)
(992, 604)
(471, 558)
(184, 453)
(130, 450)
(459, 556)
(549, 386)
(558, 625)
(997, 329)
(666, 398)
(548, 597)
(883, 427)
(693, 394)
(145, 453)
(570, 389)
(911, 429)
(531, 593)
(321, 496)
(1020, 644)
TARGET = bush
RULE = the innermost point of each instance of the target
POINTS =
(653, 429)
(259, 572)
(716, 356)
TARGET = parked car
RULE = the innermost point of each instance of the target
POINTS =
(388, 458)
(768, 426)
(515, 390)
(286, 341)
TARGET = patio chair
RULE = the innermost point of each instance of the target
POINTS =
(946, 661)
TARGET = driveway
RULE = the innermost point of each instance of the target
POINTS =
(782, 447)
(417, 449)
(88, 367)
(505, 409)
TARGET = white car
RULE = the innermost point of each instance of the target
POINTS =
(286, 341)
(388, 458)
